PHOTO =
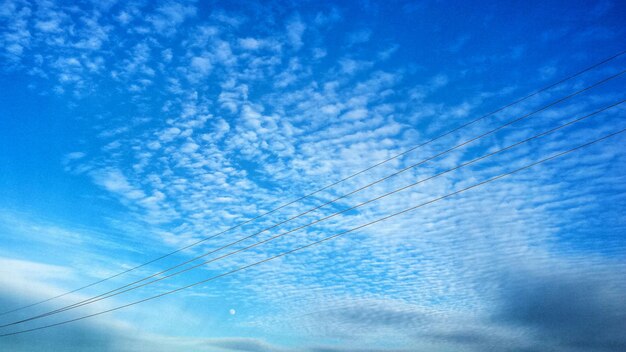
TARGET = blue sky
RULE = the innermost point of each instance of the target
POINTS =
(129, 129)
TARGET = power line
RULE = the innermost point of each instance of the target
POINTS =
(587, 69)
(510, 122)
(114, 293)
(554, 156)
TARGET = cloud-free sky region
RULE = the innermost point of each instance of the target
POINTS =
(129, 129)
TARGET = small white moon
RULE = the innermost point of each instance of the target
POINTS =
(232, 312)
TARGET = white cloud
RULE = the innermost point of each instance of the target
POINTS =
(359, 37)
(123, 17)
(250, 43)
(351, 66)
(113, 180)
(170, 15)
(202, 65)
(169, 134)
(295, 31)
(189, 147)
(20, 273)
(75, 155)
(387, 53)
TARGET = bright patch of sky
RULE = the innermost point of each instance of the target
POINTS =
(129, 129)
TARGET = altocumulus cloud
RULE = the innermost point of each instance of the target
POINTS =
(191, 116)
